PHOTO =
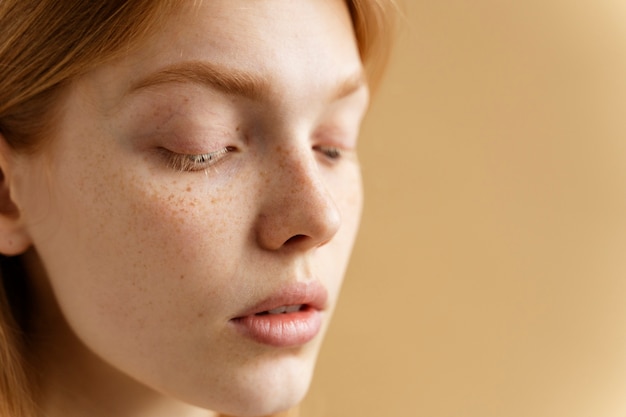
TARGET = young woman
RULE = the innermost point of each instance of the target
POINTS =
(179, 196)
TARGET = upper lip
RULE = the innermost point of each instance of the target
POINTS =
(311, 294)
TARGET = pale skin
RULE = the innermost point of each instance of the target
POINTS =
(166, 203)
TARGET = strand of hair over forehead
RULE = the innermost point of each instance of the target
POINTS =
(31, 27)
(374, 26)
(88, 21)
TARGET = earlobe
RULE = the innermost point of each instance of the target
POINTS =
(13, 237)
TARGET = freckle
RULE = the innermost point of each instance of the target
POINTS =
(200, 315)
(182, 277)
(188, 189)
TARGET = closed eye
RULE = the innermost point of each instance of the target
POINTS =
(332, 153)
(195, 162)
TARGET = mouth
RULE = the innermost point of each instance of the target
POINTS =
(290, 317)
(283, 310)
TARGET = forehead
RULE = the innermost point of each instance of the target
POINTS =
(295, 47)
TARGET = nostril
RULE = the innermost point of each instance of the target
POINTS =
(296, 239)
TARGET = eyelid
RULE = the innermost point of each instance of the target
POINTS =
(332, 153)
(195, 162)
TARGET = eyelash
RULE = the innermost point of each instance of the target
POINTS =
(199, 162)
(330, 152)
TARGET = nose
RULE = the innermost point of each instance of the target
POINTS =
(298, 211)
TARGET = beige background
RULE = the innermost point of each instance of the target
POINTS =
(490, 274)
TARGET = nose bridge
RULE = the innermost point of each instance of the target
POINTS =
(299, 208)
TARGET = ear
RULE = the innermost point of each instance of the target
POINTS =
(14, 238)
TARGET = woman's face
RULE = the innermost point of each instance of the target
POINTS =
(204, 179)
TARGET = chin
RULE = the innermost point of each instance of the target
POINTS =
(262, 389)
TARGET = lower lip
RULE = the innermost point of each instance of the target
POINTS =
(281, 330)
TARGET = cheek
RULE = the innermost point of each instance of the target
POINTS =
(183, 223)
(348, 196)
(347, 192)
(174, 229)
(132, 252)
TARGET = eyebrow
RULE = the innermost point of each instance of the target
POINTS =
(226, 80)
(231, 81)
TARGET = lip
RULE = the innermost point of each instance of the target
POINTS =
(288, 329)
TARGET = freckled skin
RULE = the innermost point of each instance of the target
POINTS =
(146, 263)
